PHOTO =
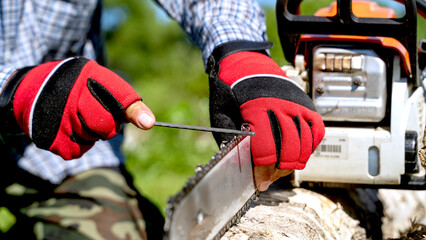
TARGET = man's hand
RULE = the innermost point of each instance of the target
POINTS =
(66, 106)
(140, 115)
(247, 86)
(266, 175)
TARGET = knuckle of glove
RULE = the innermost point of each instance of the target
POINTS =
(288, 128)
(65, 106)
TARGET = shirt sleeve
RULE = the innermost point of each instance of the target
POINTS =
(210, 23)
(5, 73)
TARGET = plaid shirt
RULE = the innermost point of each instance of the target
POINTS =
(36, 31)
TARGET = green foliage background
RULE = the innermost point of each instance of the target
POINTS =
(166, 69)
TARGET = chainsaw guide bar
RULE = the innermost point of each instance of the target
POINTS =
(216, 197)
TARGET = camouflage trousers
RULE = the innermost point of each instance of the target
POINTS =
(96, 204)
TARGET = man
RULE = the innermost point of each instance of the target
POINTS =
(57, 102)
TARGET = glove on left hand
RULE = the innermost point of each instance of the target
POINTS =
(65, 106)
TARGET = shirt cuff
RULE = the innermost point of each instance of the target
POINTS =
(5, 73)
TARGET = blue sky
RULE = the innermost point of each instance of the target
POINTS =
(268, 3)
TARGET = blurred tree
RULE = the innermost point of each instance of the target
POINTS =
(167, 70)
(164, 66)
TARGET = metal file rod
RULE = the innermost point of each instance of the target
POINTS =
(205, 129)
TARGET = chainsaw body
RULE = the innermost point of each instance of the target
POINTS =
(362, 66)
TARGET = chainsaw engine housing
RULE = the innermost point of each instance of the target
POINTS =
(362, 72)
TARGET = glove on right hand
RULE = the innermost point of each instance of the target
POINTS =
(287, 126)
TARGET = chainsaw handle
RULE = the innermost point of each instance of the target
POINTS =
(421, 7)
(291, 25)
(294, 6)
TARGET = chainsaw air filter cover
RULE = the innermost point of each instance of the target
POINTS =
(349, 85)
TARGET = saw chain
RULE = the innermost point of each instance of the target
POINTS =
(201, 172)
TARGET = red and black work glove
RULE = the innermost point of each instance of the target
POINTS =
(246, 85)
(65, 106)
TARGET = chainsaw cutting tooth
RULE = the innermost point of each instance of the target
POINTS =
(234, 220)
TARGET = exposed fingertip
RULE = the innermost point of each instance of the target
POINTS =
(263, 186)
(146, 121)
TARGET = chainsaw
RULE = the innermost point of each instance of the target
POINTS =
(361, 65)
(217, 196)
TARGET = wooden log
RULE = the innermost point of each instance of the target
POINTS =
(298, 213)
(295, 214)
(403, 210)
